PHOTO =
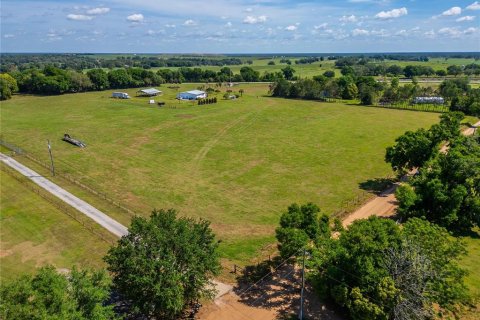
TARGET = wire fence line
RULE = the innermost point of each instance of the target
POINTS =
(22, 152)
(60, 205)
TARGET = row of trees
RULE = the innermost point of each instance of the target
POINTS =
(53, 80)
(364, 67)
(161, 269)
(446, 188)
(80, 62)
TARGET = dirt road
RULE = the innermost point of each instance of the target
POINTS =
(384, 205)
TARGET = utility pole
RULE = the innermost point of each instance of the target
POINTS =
(300, 316)
(51, 157)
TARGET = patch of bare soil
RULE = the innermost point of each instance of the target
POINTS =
(276, 297)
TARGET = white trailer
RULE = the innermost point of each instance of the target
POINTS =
(120, 95)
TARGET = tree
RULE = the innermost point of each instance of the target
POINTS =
(8, 85)
(454, 70)
(119, 78)
(288, 72)
(377, 270)
(298, 226)
(164, 263)
(329, 74)
(249, 75)
(99, 79)
(447, 191)
(411, 150)
(51, 295)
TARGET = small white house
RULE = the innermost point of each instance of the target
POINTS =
(192, 95)
(120, 95)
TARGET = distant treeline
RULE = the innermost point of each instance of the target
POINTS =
(52, 80)
(366, 67)
(456, 92)
(13, 62)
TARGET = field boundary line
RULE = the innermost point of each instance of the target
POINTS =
(96, 215)
(68, 210)
(19, 151)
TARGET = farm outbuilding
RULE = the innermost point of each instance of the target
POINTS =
(149, 92)
(192, 95)
(429, 100)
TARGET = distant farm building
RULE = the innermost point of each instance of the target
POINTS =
(192, 95)
(429, 100)
(152, 92)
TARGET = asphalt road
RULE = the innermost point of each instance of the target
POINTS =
(91, 212)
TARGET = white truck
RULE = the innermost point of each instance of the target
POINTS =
(120, 95)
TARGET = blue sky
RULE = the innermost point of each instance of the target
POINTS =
(239, 26)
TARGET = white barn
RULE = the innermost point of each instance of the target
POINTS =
(192, 95)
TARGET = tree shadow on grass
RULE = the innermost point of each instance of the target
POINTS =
(376, 185)
(268, 287)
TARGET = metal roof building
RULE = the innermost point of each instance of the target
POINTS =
(192, 95)
(149, 92)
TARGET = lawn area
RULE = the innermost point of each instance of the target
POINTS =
(34, 233)
(238, 163)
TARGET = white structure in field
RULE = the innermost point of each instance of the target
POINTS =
(192, 95)
(429, 100)
(120, 95)
(149, 92)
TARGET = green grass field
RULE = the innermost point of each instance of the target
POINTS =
(34, 233)
(237, 163)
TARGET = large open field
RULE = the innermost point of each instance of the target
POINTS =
(34, 232)
(237, 163)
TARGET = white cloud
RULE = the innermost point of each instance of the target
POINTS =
(228, 24)
(395, 13)
(466, 18)
(98, 11)
(345, 19)
(291, 28)
(6, 36)
(401, 33)
(136, 17)
(170, 26)
(474, 6)
(321, 26)
(455, 32)
(360, 32)
(470, 30)
(79, 17)
(453, 11)
(248, 10)
(189, 23)
(255, 20)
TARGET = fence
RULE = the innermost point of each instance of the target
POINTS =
(60, 205)
(19, 151)
(437, 108)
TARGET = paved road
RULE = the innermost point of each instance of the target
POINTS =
(91, 212)
(99, 217)
(385, 204)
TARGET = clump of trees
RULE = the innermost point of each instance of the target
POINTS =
(164, 264)
(8, 86)
(49, 294)
(445, 191)
(377, 269)
(160, 270)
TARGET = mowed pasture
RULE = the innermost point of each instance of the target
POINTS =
(34, 232)
(238, 163)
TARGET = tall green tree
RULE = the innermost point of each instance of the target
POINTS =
(8, 86)
(49, 295)
(299, 225)
(164, 263)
